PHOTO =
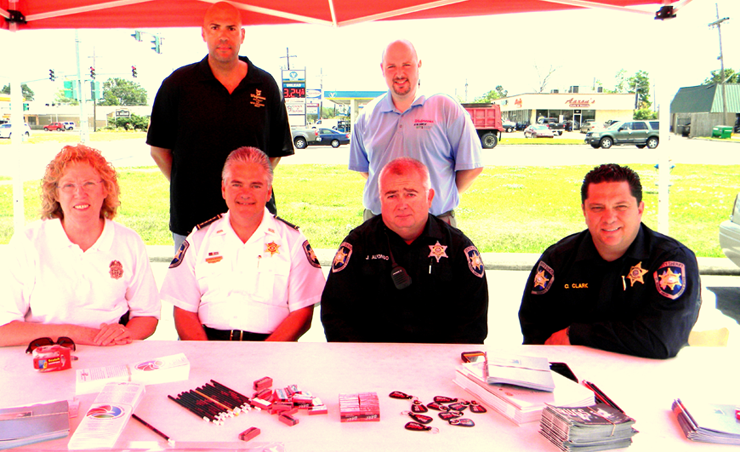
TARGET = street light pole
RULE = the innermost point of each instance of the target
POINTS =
(718, 24)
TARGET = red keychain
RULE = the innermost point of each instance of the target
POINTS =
(423, 419)
(476, 407)
(418, 407)
(460, 406)
(400, 395)
(415, 426)
(447, 415)
(463, 422)
(437, 406)
(443, 399)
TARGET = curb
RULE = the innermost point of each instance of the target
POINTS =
(493, 261)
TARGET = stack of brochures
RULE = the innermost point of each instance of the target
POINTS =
(708, 422)
(527, 371)
(33, 423)
(587, 428)
(520, 404)
(152, 371)
(107, 416)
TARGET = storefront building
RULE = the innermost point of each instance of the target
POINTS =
(576, 107)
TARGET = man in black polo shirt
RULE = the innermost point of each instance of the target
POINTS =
(207, 109)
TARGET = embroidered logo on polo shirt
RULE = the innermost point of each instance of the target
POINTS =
(670, 279)
(341, 259)
(310, 255)
(116, 270)
(423, 123)
(475, 262)
(543, 279)
(257, 99)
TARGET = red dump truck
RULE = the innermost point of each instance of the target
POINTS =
(487, 121)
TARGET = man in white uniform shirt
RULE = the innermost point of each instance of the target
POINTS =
(244, 275)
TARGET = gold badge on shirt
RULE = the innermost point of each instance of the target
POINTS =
(437, 251)
(272, 248)
(636, 273)
(116, 270)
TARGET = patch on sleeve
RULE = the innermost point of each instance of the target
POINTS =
(180, 256)
(475, 261)
(341, 259)
(543, 279)
(310, 255)
(670, 279)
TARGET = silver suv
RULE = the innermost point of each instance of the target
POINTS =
(639, 133)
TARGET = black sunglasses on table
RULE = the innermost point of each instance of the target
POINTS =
(42, 341)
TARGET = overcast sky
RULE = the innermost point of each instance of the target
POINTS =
(482, 52)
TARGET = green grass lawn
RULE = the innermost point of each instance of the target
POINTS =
(508, 209)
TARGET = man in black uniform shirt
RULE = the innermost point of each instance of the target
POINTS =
(617, 286)
(405, 275)
(205, 110)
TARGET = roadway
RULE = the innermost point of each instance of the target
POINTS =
(125, 153)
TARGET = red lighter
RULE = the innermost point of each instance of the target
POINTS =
(49, 358)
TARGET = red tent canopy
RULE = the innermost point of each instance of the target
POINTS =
(40, 14)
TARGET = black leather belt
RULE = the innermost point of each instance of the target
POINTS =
(233, 335)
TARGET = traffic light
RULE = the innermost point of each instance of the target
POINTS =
(157, 41)
(137, 35)
(25, 106)
(133, 71)
(52, 77)
(92, 72)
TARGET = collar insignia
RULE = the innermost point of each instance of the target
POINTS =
(437, 251)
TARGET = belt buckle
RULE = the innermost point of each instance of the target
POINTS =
(232, 338)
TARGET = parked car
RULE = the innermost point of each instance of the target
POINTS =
(331, 137)
(58, 126)
(729, 233)
(509, 126)
(5, 130)
(538, 131)
(639, 133)
(70, 125)
(588, 125)
(522, 125)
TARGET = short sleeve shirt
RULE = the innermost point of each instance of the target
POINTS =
(49, 279)
(250, 286)
(435, 130)
(197, 118)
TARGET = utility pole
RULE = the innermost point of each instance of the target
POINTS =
(92, 94)
(466, 90)
(321, 96)
(288, 55)
(718, 23)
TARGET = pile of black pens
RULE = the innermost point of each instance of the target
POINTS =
(213, 402)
